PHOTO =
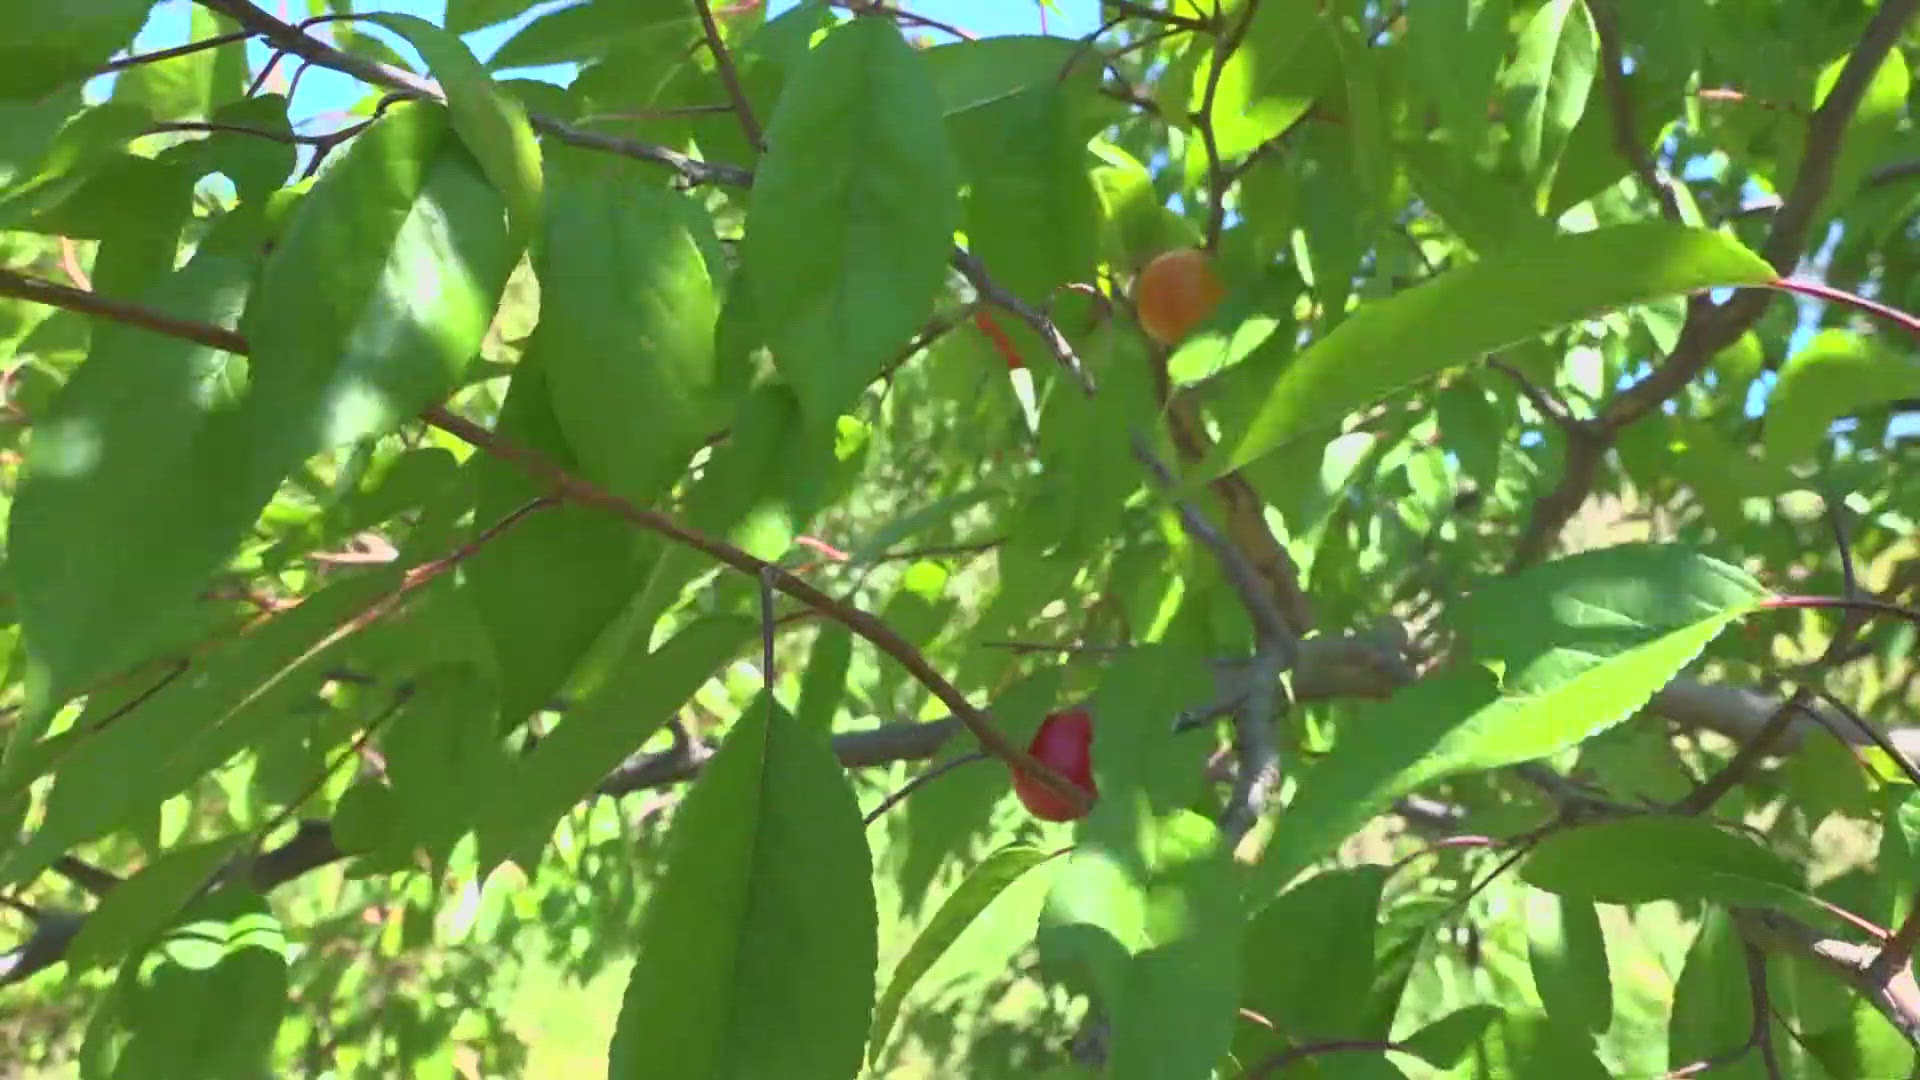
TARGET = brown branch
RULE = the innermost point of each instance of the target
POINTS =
(1702, 798)
(1709, 327)
(53, 294)
(1218, 179)
(975, 272)
(1154, 14)
(1294, 1054)
(729, 77)
(1626, 129)
(1896, 996)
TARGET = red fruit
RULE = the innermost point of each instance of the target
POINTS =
(1064, 743)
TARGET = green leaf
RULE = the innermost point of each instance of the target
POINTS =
(466, 16)
(144, 441)
(493, 125)
(1639, 859)
(49, 45)
(825, 681)
(1455, 47)
(547, 588)
(444, 762)
(944, 818)
(1285, 61)
(1366, 115)
(1465, 313)
(1547, 86)
(378, 293)
(1155, 934)
(1529, 1044)
(586, 30)
(47, 148)
(600, 732)
(1446, 1040)
(1872, 131)
(141, 905)
(965, 904)
(193, 86)
(1310, 962)
(1395, 749)
(1031, 210)
(1568, 956)
(1837, 373)
(1487, 209)
(976, 77)
(1712, 1001)
(852, 213)
(626, 332)
(757, 949)
(759, 489)
(191, 725)
(1580, 644)
(211, 997)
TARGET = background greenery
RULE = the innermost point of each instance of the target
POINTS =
(407, 494)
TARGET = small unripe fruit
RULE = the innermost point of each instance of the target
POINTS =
(1064, 743)
(1176, 292)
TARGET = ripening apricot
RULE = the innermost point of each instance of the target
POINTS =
(1176, 292)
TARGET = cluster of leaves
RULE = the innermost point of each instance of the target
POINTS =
(400, 511)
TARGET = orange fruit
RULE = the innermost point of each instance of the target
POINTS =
(1177, 291)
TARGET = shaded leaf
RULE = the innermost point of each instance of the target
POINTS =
(756, 953)
(144, 440)
(1153, 931)
(600, 732)
(1568, 956)
(105, 777)
(493, 125)
(1445, 1041)
(1639, 859)
(1547, 87)
(825, 681)
(211, 1000)
(852, 213)
(548, 587)
(48, 45)
(626, 332)
(379, 291)
(1309, 962)
(583, 30)
(965, 904)
(1465, 313)
(141, 905)
(1455, 48)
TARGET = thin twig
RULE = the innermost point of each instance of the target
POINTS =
(1057, 344)
(158, 55)
(1154, 14)
(729, 77)
(923, 779)
(1626, 128)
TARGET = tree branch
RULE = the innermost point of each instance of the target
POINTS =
(1709, 327)
(730, 78)
(585, 493)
